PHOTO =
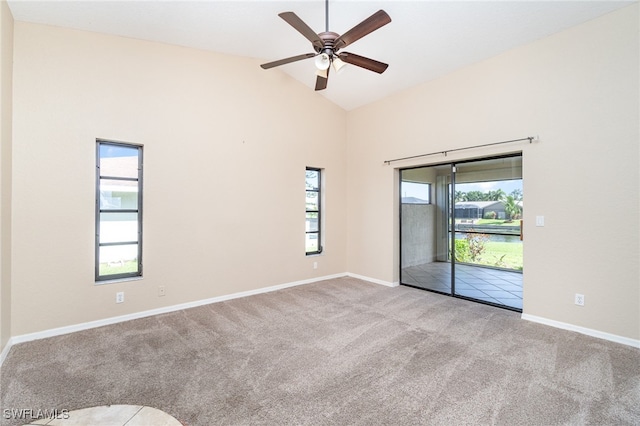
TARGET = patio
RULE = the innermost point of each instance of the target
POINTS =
(490, 285)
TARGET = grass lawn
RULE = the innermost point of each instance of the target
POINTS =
(503, 255)
(125, 267)
(497, 222)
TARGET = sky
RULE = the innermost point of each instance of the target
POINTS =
(107, 151)
(410, 189)
(506, 185)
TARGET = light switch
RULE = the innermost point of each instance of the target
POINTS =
(539, 220)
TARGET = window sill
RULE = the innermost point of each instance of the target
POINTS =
(118, 280)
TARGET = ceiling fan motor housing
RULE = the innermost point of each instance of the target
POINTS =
(328, 39)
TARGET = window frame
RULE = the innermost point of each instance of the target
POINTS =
(100, 279)
(319, 249)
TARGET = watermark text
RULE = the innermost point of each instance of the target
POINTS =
(35, 413)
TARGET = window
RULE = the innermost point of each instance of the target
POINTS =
(415, 192)
(118, 211)
(313, 212)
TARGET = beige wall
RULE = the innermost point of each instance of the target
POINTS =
(6, 74)
(225, 148)
(226, 144)
(579, 91)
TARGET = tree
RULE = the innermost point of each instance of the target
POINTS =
(516, 194)
(475, 196)
(497, 195)
(461, 196)
(511, 208)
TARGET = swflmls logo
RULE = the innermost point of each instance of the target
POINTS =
(31, 414)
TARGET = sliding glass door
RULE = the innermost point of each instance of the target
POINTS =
(487, 230)
(461, 229)
(425, 194)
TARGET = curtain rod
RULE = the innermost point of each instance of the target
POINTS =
(529, 138)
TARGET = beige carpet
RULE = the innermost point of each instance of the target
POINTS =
(342, 351)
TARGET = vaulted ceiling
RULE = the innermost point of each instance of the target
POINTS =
(425, 40)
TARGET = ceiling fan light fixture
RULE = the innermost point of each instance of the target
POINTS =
(338, 64)
(322, 61)
(322, 73)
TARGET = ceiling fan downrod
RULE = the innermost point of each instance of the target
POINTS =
(326, 16)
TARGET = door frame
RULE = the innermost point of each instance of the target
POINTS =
(450, 229)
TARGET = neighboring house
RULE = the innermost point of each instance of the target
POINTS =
(413, 200)
(477, 209)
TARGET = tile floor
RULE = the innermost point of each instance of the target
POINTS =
(112, 415)
(486, 284)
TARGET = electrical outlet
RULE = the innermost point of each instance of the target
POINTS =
(579, 299)
(120, 297)
(161, 291)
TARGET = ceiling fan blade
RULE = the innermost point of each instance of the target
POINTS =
(369, 25)
(287, 60)
(297, 23)
(361, 61)
(321, 82)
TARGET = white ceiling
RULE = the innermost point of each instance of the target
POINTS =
(425, 40)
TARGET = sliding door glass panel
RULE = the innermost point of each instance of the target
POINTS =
(487, 228)
(424, 206)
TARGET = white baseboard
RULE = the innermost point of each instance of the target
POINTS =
(5, 351)
(583, 330)
(373, 280)
(114, 320)
(136, 315)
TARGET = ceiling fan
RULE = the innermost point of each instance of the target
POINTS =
(327, 44)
